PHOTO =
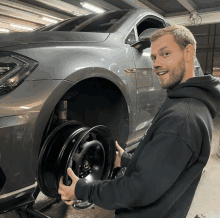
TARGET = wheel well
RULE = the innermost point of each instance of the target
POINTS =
(97, 101)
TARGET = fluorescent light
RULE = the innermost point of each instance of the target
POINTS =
(21, 27)
(24, 107)
(4, 30)
(50, 20)
(93, 8)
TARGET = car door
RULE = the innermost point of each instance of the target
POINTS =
(150, 95)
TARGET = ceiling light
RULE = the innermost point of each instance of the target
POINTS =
(4, 30)
(21, 27)
(92, 7)
(50, 20)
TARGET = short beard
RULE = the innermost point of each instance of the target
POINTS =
(176, 79)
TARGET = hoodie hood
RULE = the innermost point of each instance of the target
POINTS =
(203, 88)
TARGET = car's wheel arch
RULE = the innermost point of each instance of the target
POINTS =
(57, 95)
(90, 72)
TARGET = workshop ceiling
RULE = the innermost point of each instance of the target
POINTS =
(26, 15)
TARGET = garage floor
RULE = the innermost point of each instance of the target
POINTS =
(206, 200)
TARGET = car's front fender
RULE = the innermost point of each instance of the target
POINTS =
(24, 114)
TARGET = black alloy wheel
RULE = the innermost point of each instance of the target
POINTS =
(90, 152)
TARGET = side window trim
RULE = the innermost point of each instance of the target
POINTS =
(136, 33)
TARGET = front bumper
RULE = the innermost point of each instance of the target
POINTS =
(16, 158)
(17, 198)
(15, 152)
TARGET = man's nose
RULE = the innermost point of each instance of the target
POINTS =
(156, 63)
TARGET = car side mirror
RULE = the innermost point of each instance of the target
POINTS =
(142, 44)
(144, 39)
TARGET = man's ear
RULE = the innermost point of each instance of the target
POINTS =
(189, 52)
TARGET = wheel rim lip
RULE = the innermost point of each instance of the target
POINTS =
(103, 131)
(47, 147)
(106, 133)
(67, 162)
(88, 205)
(74, 134)
(79, 206)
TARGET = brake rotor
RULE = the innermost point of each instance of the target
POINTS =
(90, 152)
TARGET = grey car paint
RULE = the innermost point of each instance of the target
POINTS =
(64, 59)
(77, 61)
(22, 128)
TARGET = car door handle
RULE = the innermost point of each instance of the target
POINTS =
(130, 70)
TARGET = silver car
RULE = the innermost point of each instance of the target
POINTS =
(69, 91)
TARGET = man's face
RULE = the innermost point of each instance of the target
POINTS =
(168, 59)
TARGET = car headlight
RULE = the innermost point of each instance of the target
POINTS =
(14, 69)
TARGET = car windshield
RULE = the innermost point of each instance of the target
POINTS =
(89, 23)
(52, 26)
(102, 23)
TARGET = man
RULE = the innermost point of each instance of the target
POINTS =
(164, 172)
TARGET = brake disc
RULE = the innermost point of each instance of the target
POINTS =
(90, 152)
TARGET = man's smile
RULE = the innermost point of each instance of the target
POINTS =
(161, 73)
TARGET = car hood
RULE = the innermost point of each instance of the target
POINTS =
(18, 38)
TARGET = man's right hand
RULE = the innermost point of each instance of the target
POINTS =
(118, 155)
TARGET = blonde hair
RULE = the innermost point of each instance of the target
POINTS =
(182, 36)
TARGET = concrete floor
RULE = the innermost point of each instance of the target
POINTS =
(206, 200)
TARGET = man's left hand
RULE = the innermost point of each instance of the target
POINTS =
(68, 192)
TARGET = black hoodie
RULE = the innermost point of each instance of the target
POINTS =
(163, 173)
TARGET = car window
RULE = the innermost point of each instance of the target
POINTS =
(68, 24)
(149, 22)
(51, 26)
(74, 23)
(102, 23)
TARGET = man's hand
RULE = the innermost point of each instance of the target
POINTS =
(118, 155)
(68, 192)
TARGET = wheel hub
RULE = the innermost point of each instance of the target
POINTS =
(86, 164)
(88, 151)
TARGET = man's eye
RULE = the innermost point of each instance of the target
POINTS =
(153, 59)
(166, 54)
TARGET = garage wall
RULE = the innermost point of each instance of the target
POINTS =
(208, 47)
